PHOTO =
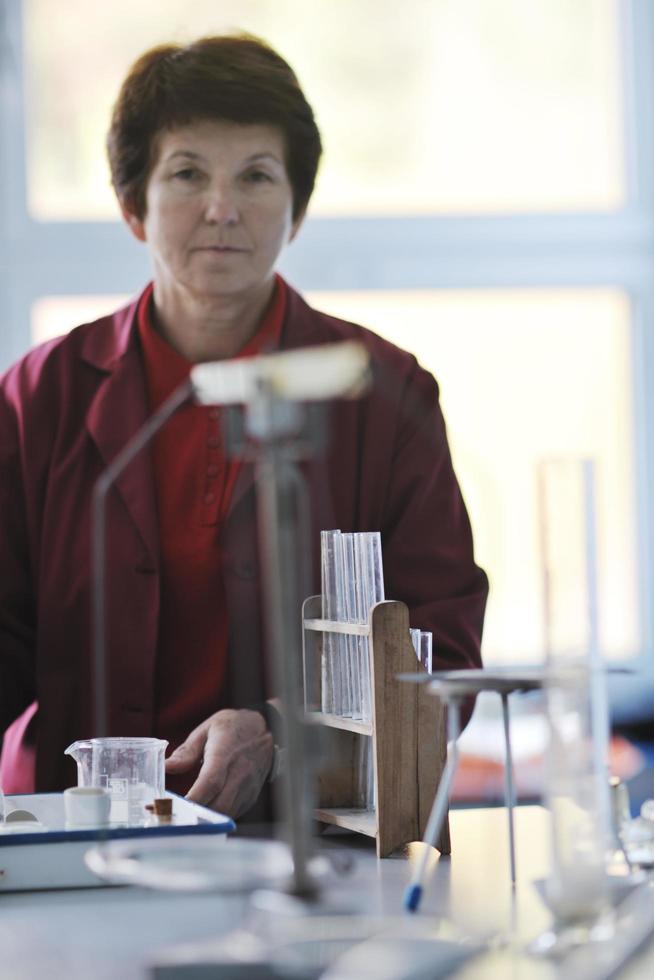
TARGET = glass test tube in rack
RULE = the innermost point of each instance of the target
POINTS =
(352, 583)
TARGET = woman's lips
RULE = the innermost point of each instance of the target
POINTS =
(219, 249)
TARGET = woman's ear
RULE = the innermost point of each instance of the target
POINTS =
(133, 222)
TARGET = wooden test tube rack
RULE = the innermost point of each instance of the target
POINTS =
(407, 730)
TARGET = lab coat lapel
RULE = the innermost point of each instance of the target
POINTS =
(116, 414)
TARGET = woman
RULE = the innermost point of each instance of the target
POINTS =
(213, 151)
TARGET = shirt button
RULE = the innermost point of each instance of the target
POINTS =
(212, 470)
(209, 498)
(213, 441)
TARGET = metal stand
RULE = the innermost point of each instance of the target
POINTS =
(278, 430)
(453, 687)
(272, 422)
(136, 444)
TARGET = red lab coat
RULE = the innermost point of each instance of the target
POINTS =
(69, 406)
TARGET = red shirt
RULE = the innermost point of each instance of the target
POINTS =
(194, 481)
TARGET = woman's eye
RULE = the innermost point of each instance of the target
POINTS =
(186, 174)
(258, 176)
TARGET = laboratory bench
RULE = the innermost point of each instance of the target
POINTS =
(118, 933)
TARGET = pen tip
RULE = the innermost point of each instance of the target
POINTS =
(412, 897)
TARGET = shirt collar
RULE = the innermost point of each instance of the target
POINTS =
(166, 369)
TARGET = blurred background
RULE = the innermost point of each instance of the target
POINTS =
(486, 200)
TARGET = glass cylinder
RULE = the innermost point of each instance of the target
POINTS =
(576, 763)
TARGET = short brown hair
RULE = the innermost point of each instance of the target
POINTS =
(236, 77)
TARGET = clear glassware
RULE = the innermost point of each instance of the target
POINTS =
(415, 640)
(426, 650)
(370, 585)
(365, 773)
(578, 887)
(343, 705)
(132, 769)
(352, 615)
(576, 761)
(352, 583)
(195, 864)
(330, 675)
(370, 591)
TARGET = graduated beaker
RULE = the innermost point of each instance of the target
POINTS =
(132, 769)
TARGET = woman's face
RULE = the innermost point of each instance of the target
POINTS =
(218, 209)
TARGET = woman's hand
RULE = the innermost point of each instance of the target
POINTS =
(236, 750)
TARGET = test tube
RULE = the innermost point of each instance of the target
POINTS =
(426, 650)
(370, 544)
(329, 660)
(364, 791)
(371, 799)
(351, 608)
(361, 755)
(370, 578)
(362, 662)
(363, 647)
(342, 705)
(369, 590)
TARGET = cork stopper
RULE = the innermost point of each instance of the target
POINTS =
(161, 808)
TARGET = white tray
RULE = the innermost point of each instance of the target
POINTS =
(54, 857)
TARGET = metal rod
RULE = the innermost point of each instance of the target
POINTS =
(275, 505)
(99, 546)
(509, 789)
(599, 708)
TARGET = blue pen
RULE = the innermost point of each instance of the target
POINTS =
(413, 893)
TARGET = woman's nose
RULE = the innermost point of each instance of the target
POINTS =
(221, 207)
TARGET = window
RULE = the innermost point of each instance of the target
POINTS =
(456, 106)
(53, 316)
(524, 375)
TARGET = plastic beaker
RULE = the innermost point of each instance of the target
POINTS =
(132, 769)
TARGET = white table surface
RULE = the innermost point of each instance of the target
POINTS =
(115, 933)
